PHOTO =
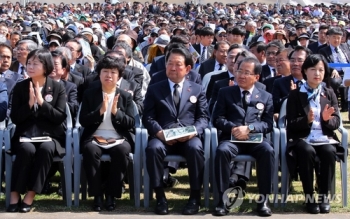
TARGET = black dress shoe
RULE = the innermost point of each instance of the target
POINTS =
(192, 207)
(25, 208)
(263, 208)
(220, 210)
(97, 203)
(110, 203)
(14, 207)
(312, 208)
(162, 207)
(324, 204)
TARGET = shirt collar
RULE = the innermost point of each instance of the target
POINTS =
(250, 90)
(181, 83)
(119, 82)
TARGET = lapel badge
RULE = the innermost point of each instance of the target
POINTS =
(49, 88)
(260, 106)
(193, 99)
(322, 94)
(256, 96)
(187, 77)
(188, 89)
(48, 98)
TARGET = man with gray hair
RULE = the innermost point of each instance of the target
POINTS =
(23, 48)
(138, 72)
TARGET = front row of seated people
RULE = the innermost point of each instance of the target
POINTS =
(38, 109)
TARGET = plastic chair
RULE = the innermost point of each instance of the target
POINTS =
(147, 190)
(284, 168)
(275, 137)
(134, 169)
(2, 128)
(67, 159)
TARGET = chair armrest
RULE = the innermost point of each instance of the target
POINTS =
(344, 138)
(8, 134)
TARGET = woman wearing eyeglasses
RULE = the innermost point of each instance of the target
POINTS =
(312, 117)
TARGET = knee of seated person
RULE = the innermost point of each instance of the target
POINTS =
(195, 144)
(26, 148)
(222, 149)
(326, 150)
(154, 145)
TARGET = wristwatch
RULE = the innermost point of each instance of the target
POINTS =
(251, 127)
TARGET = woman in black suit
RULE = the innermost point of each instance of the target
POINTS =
(38, 109)
(312, 114)
(108, 114)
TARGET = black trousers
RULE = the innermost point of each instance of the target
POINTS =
(94, 173)
(192, 150)
(32, 165)
(306, 155)
(242, 169)
(263, 153)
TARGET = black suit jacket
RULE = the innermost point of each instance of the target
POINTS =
(79, 82)
(84, 70)
(269, 83)
(132, 73)
(229, 111)
(206, 67)
(225, 83)
(280, 91)
(157, 65)
(297, 122)
(161, 76)
(213, 79)
(90, 118)
(160, 112)
(71, 97)
(48, 118)
(14, 66)
(327, 52)
(210, 50)
(265, 73)
(315, 48)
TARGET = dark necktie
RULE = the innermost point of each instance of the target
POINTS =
(232, 78)
(220, 66)
(22, 70)
(274, 72)
(203, 54)
(244, 99)
(78, 61)
(299, 83)
(176, 97)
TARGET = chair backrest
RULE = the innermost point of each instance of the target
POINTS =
(282, 120)
(77, 123)
(136, 115)
(69, 117)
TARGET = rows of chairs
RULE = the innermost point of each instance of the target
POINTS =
(138, 174)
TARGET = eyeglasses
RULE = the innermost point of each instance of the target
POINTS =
(297, 60)
(222, 35)
(246, 74)
(147, 30)
(21, 49)
(271, 53)
(4, 57)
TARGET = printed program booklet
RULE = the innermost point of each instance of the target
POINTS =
(175, 133)
(253, 138)
(35, 139)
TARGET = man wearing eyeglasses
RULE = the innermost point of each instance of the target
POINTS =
(239, 111)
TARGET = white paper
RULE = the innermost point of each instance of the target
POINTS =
(117, 142)
(331, 141)
(35, 139)
(253, 138)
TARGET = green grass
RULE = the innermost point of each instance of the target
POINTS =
(178, 196)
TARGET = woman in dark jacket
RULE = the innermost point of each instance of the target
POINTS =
(38, 109)
(108, 115)
(312, 117)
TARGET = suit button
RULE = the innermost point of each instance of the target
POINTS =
(118, 122)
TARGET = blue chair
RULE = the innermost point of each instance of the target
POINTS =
(284, 168)
(134, 171)
(67, 159)
(2, 128)
(147, 190)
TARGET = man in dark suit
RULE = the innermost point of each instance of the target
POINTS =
(158, 64)
(24, 47)
(217, 63)
(6, 53)
(169, 104)
(282, 86)
(337, 52)
(241, 110)
(282, 66)
(269, 70)
(161, 75)
(153, 8)
(232, 53)
(204, 48)
(322, 40)
(232, 80)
